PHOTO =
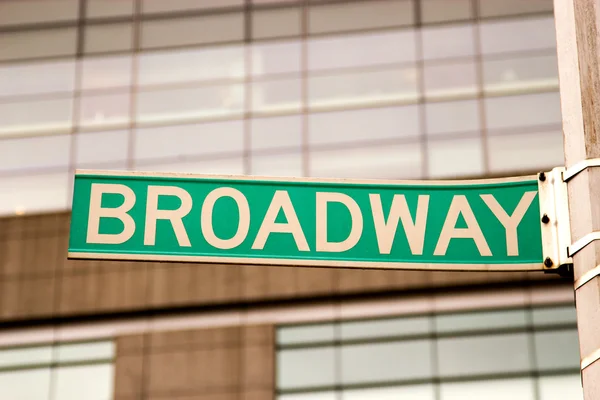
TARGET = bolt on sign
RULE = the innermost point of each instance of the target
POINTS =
(460, 225)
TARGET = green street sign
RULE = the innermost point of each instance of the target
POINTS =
(459, 225)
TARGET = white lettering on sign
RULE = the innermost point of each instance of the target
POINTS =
(510, 222)
(386, 230)
(206, 217)
(96, 212)
(323, 244)
(459, 206)
(281, 201)
(174, 216)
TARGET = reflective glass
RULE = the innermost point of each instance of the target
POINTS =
(500, 389)
(106, 72)
(276, 57)
(32, 78)
(481, 321)
(409, 392)
(224, 166)
(306, 334)
(30, 384)
(277, 22)
(385, 328)
(18, 357)
(309, 396)
(306, 368)
(445, 10)
(92, 382)
(24, 193)
(90, 351)
(448, 41)
(160, 6)
(521, 111)
(34, 152)
(525, 151)
(561, 387)
(98, 148)
(18, 12)
(557, 350)
(382, 362)
(281, 95)
(494, 8)
(36, 116)
(276, 132)
(444, 81)
(527, 73)
(452, 117)
(286, 164)
(455, 158)
(554, 315)
(104, 110)
(108, 37)
(108, 8)
(503, 36)
(38, 43)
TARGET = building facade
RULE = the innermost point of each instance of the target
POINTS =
(393, 89)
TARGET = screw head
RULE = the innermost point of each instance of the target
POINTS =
(548, 262)
(545, 218)
(542, 176)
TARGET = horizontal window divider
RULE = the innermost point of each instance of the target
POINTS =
(54, 365)
(524, 129)
(39, 26)
(140, 162)
(518, 54)
(275, 151)
(54, 345)
(364, 144)
(40, 171)
(35, 97)
(522, 92)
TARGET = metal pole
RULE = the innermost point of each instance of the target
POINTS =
(577, 23)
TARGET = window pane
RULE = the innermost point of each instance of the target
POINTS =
(18, 12)
(363, 125)
(448, 41)
(35, 152)
(481, 321)
(361, 15)
(557, 350)
(525, 110)
(554, 315)
(484, 355)
(420, 392)
(287, 164)
(25, 356)
(105, 38)
(189, 140)
(453, 117)
(92, 382)
(309, 396)
(190, 104)
(494, 8)
(160, 6)
(450, 80)
(46, 192)
(561, 387)
(525, 151)
(372, 162)
(36, 116)
(381, 362)
(455, 158)
(105, 72)
(226, 166)
(361, 50)
(385, 328)
(274, 23)
(108, 8)
(276, 132)
(276, 95)
(521, 74)
(195, 65)
(501, 389)
(38, 43)
(32, 384)
(192, 30)
(275, 57)
(306, 334)
(27, 79)
(85, 351)
(101, 147)
(519, 35)
(368, 87)
(445, 10)
(104, 110)
(305, 368)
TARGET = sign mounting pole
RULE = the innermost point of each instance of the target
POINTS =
(577, 26)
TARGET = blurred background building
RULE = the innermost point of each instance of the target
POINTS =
(395, 89)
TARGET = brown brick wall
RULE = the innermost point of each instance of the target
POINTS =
(36, 279)
(233, 363)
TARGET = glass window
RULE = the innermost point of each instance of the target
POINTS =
(483, 355)
(481, 321)
(360, 15)
(275, 58)
(36, 116)
(396, 327)
(28, 79)
(194, 65)
(190, 104)
(160, 6)
(85, 351)
(225, 166)
(34, 152)
(561, 387)
(32, 193)
(448, 41)
(453, 117)
(521, 111)
(500, 389)
(18, 12)
(368, 162)
(518, 35)
(39, 43)
(525, 151)
(25, 356)
(276, 23)
(92, 382)
(189, 140)
(281, 95)
(309, 396)
(285, 164)
(366, 125)
(455, 158)
(494, 8)
(520, 74)
(29, 384)
(557, 350)
(104, 110)
(306, 334)
(444, 81)
(106, 72)
(409, 392)
(361, 50)
(98, 148)
(366, 87)
(382, 362)
(192, 30)
(276, 132)
(554, 315)
(108, 8)
(111, 37)
(445, 10)
(306, 368)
